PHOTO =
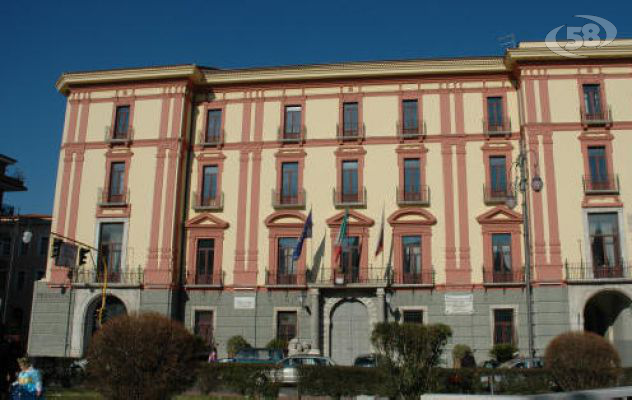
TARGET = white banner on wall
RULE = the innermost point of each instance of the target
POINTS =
(244, 303)
(458, 304)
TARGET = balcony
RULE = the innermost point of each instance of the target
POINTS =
(352, 200)
(497, 128)
(599, 118)
(6, 210)
(277, 279)
(413, 198)
(411, 133)
(503, 278)
(211, 139)
(589, 273)
(282, 200)
(605, 185)
(114, 137)
(108, 198)
(363, 277)
(208, 203)
(496, 194)
(286, 137)
(214, 280)
(12, 181)
(350, 133)
(90, 276)
(426, 277)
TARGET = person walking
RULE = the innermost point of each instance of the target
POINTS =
(212, 357)
(29, 384)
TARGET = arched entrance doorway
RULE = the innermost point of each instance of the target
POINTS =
(113, 308)
(609, 314)
(349, 332)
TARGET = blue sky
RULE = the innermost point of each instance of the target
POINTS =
(41, 39)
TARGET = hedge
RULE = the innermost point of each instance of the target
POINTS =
(343, 381)
(252, 380)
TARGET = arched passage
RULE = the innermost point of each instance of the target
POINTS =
(349, 332)
(609, 314)
(113, 308)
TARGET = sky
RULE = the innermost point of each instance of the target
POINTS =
(39, 40)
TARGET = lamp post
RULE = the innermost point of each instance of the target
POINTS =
(522, 184)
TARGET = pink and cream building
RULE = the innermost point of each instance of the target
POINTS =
(195, 183)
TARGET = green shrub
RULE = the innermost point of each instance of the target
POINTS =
(252, 380)
(582, 360)
(277, 344)
(141, 356)
(235, 344)
(503, 352)
(337, 381)
(408, 352)
(506, 381)
(458, 352)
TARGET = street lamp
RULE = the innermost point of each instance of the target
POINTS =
(521, 184)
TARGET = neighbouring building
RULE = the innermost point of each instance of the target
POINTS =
(195, 183)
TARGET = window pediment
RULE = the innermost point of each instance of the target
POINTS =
(285, 219)
(412, 216)
(207, 220)
(500, 215)
(355, 219)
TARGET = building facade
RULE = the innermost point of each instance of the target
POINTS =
(194, 184)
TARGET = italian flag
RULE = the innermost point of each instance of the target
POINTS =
(342, 234)
(380, 241)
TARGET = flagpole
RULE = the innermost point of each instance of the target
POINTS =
(311, 243)
(382, 233)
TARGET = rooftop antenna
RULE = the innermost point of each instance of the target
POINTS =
(507, 41)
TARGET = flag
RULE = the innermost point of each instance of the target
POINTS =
(307, 233)
(342, 234)
(380, 241)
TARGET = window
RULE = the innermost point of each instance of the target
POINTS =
(213, 126)
(501, 252)
(604, 243)
(289, 183)
(209, 185)
(350, 259)
(5, 246)
(204, 326)
(43, 246)
(495, 113)
(411, 249)
(412, 179)
(21, 280)
(110, 250)
(410, 117)
(349, 181)
(413, 316)
(292, 128)
(121, 126)
(592, 101)
(286, 325)
(116, 191)
(350, 119)
(597, 163)
(503, 326)
(498, 176)
(286, 267)
(204, 261)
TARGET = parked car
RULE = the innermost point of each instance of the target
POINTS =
(365, 360)
(287, 372)
(253, 355)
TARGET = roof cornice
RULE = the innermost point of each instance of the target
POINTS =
(537, 51)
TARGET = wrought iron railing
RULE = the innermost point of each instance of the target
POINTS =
(277, 278)
(94, 276)
(114, 136)
(216, 278)
(368, 276)
(111, 198)
(285, 200)
(285, 136)
(211, 139)
(425, 277)
(601, 185)
(597, 117)
(589, 272)
(411, 132)
(347, 199)
(208, 203)
(515, 277)
(350, 132)
(6, 210)
(410, 196)
(497, 128)
(496, 194)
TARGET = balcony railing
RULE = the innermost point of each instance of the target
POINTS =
(514, 277)
(408, 197)
(497, 128)
(496, 194)
(215, 279)
(360, 277)
(283, 200)
(213, 139)
(425, 277)
(350, 133)
(292, 137)
(587, 272)
(601, 117)
(6, 210)
(203, 203)
(411, 133)
(113, 137)
(606, 185)
(90, 276)
(276, 278)
(345, 199)
(108, 198)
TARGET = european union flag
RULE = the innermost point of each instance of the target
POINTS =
(307, 233)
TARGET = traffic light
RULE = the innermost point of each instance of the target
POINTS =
(56, 248)
(83, 252)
